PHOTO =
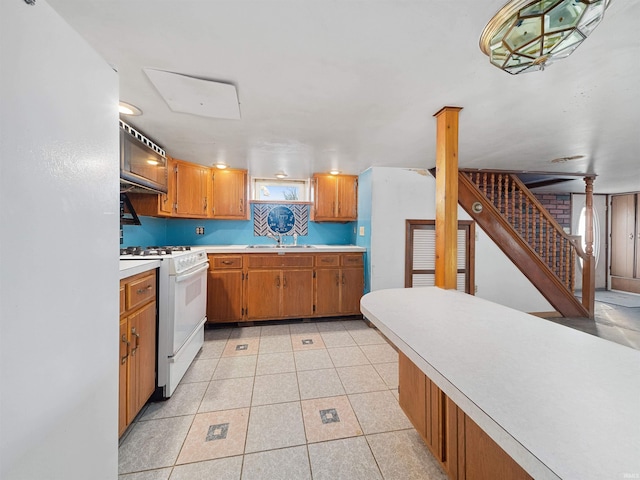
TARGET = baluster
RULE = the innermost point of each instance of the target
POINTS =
(484, 183)
(493, 188)
(499, 192)
(567, 272)
(547, 244)
(520, 213)
(526, 221)
(512, 184)
(540, 244)
(554, 249)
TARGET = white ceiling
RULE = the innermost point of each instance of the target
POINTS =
(350, 84)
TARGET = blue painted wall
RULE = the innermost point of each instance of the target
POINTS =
(364, 220)
(159, 231)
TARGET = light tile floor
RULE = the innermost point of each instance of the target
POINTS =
(313, 400)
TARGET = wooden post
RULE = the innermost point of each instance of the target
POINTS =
(589, 264)
(447, 197)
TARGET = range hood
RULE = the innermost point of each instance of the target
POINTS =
(143, 164)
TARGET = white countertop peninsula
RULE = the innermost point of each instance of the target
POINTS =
(562, 403)
(129, 268)
(288, 249)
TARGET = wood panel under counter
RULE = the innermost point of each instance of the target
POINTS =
(524, 397)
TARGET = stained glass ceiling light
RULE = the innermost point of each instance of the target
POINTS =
(525, 36)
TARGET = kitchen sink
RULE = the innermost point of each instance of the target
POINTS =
(281, 247)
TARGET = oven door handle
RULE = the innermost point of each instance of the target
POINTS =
(182, 278)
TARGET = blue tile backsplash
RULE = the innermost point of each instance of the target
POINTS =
(161, 231)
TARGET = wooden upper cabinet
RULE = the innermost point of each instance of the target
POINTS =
(160, 205)
(229, 194)
(191, 189)
(167, 200)
(335, 198)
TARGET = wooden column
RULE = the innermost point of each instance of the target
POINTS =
(589, 264)
(447, 197)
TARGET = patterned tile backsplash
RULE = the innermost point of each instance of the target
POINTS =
(285, 219)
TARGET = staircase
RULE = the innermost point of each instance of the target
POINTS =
(525, 231)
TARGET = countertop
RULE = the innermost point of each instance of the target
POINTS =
(562, 403)
(129, 268)
(285, 250)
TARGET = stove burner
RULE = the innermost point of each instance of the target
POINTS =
(152, 250)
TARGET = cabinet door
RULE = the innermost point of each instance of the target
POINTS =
(166, 200)
(122, 386)
(352, 282)
(328, 291)
(347, 198)
(142, 358)
(297, 293)
(263, 294)
(325, 197)
(229, 194)
(191, 189)
(224, 296)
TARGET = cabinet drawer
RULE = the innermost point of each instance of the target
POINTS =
(140, 291)
(276, 260)
(218, 262)
(352, 259)
(327, 260)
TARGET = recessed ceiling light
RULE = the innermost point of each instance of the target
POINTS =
(281, 174)
(128, 109)
(334, 172)
(567, 159)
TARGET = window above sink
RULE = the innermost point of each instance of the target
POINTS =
(274, 190)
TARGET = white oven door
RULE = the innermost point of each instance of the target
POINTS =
(188, 293)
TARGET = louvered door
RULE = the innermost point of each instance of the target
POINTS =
(420, 254)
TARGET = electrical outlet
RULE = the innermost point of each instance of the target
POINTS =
(361, 231)
(199, 230)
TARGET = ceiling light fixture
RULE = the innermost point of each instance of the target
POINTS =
(334, 172)
(221, 165)
(525, 36)
(128, 109)
(281, 174)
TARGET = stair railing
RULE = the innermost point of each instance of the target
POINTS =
(516, 204)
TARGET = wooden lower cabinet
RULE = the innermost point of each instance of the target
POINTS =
(339, 284)
(225, 289)
(137, 352)
(247, 287)
(279, 293)
(463, 449)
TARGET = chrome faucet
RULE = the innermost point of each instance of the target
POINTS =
(277, 238)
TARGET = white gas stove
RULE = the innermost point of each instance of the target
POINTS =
(182, 304)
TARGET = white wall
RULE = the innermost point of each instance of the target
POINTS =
(58, 251)
(400, 194)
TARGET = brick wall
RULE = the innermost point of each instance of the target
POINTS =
(559, 206)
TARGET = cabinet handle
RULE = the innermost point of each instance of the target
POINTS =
(137, 335)
(241, 205)
(227, 262)
(284, 284)
(124, 340)
(343, 279)
(337, 279)
(326, 260)
(143, 290)
(278, 281)
(631, 236)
